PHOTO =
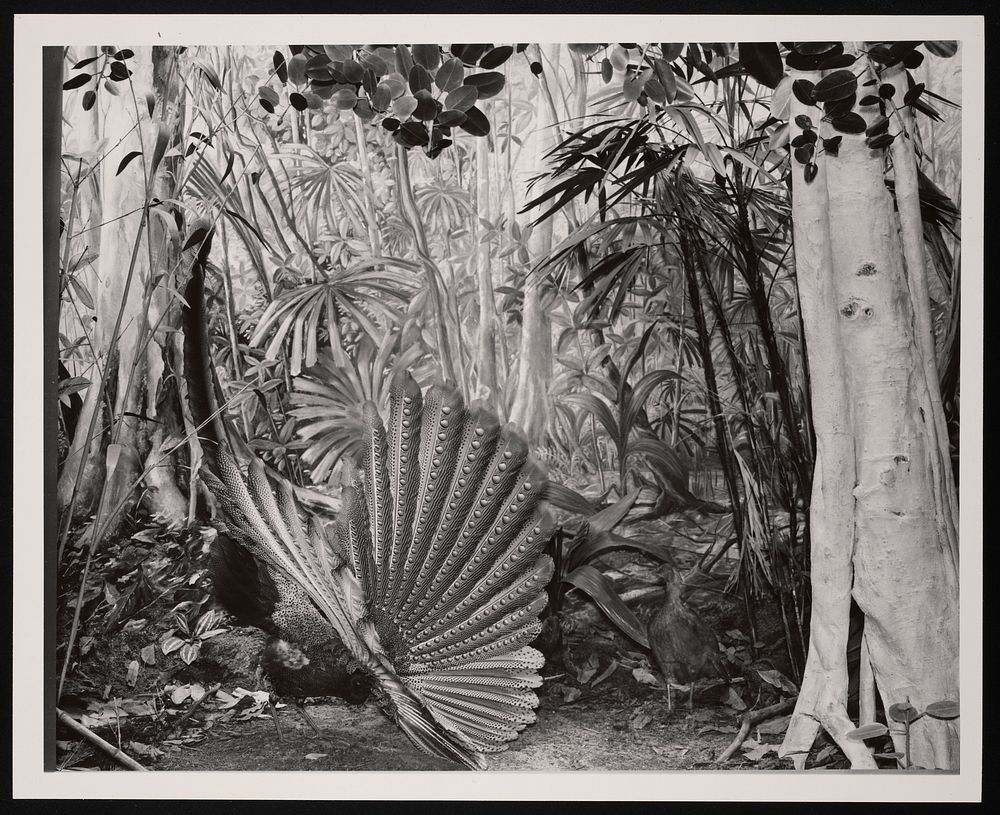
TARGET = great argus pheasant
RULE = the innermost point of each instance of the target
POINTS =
(432, 577)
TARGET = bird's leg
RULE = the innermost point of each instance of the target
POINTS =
(670, 696)
(308, 719)
(691, 695)
(274, 716)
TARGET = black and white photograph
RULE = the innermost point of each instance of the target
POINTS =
(587, 413)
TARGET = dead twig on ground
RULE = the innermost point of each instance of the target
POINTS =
(755, 717)
(115, 753)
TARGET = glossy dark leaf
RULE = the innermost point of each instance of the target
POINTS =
(878, 127)
(913, 60)
(76, 82)
(878, 142)
(607, 70)
(83, 63)
(913, 94)
(838, 85)
(353, 71)
(671, 50)
(461, 98)
(390, 124)
(419, 79)
(450, 118)
(427, 106)
(803, 121)
(942, 48)
(363, 110)
(536, 68)
(496, 57)
(804, 138)
(280, 67)
(124, 54)
(867, 101)
(810, 172)
(804, 154)
(838, 107)
(475, 122)
(814, 49)
(127, 160)
(887, 91)
(836, 61)
(470, 53)
(427, 56)
(450, 75)
(338, 53)
(345, 98)
(763, 62)
(413, 133)
(832, 145)
(297, 101)
(89, 98)
(803, 90)
(849, 123)
(486, 84)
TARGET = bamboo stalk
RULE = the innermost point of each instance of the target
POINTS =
(89, 735)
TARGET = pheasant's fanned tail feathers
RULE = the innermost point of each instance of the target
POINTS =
(461, 572)
(435, 573)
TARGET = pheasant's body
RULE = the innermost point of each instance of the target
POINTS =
(434, 576)
(304, 656)
(684, 647)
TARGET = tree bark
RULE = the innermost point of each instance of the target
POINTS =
(823, 696)
(486, 357)
(534, 371)
(878, 502)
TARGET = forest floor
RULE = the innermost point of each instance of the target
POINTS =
(603, 706)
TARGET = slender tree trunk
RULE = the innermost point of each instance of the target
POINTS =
(486, 357)
(531, 401)
(81, 136)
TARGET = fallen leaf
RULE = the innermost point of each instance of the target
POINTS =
(644, 676)
(761, 750)
(132, 674)
(148, 654)
(180, 694)
(733, 700)
(779, 680)
(570, 694)
(315, 756)
(774, 727)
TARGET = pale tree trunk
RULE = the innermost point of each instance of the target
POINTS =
(81, 136)
(163, 498)
(534, 372)
(883, 519)
(486, 357)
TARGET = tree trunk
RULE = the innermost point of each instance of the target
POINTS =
(534, 371)
(880, 504)
(486, 357)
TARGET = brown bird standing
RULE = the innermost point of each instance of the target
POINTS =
(684, 647)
